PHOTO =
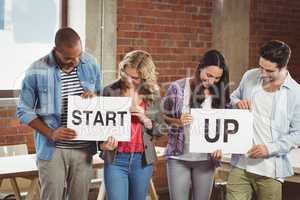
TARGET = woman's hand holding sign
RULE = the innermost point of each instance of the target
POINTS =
(109, 145)
(185, 119)
(217, 155)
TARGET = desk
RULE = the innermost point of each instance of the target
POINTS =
(12, 167)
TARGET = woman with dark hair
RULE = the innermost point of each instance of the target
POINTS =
(207, 89)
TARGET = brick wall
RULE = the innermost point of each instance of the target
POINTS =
(175, 33)
(12, 132)
(276, 19)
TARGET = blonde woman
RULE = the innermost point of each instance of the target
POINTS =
(128, 165)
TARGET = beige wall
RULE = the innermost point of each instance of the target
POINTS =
(230, 21)
(101, 36)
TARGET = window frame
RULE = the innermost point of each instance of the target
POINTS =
(63, 22)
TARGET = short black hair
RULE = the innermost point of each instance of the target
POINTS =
(277, 52)
(66, 37)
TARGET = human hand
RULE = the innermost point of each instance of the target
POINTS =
(88, 94)
(110, 144)
(243, 104)
(217, 154)
(258, 151)
(62, 133)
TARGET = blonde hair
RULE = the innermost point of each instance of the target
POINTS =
(142, 61)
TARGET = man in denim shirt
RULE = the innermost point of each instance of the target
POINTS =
(273, 97)
(64, 164)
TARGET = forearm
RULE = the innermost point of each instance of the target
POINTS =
(283, 145)
(285, 142)
(172, 120)
(235, 97)
(41, 127)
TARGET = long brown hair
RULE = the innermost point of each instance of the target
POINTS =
(219, 91)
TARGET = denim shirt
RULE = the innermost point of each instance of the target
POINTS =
(285, 122)
(40, 96)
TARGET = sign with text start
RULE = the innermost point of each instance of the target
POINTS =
(97, 118)
(230, 130)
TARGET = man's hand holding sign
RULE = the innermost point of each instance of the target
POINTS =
(62, 133)
(100, 117)
(257, 151)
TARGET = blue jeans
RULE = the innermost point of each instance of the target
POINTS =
(126, 178)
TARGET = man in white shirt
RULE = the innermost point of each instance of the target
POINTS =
(271, 94)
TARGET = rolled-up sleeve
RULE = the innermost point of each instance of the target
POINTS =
(237, 94)
(98, 84)
(155, 114)
(27, 100)
(286, 142)
(170, 101)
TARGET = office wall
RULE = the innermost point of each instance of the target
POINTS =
(176, 33)
(275, 19)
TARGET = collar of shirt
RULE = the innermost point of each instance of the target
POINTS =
(287, 81)
(52, 62)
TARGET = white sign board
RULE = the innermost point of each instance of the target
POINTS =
(230, 130)
(100, 117)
